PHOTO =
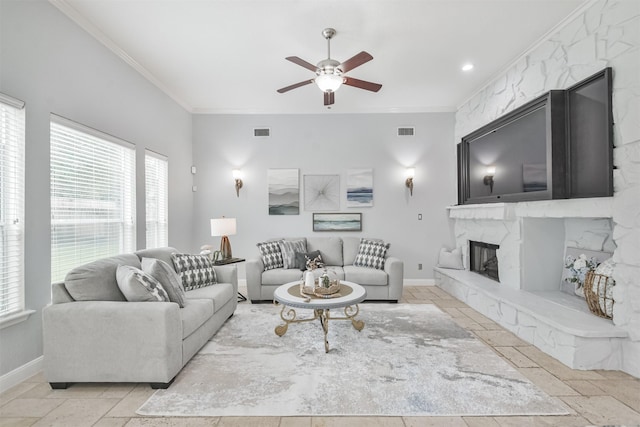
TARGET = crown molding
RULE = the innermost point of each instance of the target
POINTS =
(68, 10)
(336, 110)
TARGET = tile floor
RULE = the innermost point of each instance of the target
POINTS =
(595, 397)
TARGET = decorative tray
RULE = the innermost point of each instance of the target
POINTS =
(321, 291)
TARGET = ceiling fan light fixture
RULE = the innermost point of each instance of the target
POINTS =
(329, 82)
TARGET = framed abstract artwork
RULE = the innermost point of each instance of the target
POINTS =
(359, 188)
(284, 191)
(337, 222)
(322, 192)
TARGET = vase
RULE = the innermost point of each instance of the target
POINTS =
(309, 279)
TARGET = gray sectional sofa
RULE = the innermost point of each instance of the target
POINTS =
(339, 254)
(92, 334)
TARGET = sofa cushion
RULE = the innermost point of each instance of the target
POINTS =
(194, 314)
(163, 254)
(271, 254)
(365, 275)
(279, 276)
(96, 281)
(220, 294)
(329, 247)
(196, 271)
(168, 278)
(137, 286)
(289, 249)
(371, 253)
(350, 247)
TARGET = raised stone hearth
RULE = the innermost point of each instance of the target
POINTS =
(532, 237)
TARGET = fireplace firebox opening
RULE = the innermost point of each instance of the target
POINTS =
(483, 259)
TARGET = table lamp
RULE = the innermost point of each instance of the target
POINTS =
(224, 227)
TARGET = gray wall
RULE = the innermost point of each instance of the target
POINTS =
(329, 144)
(56, 67)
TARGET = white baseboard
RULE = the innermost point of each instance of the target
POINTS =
(18, 375)
(419, 282)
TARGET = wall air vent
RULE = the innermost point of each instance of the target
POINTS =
(261, 132)
(406, 131)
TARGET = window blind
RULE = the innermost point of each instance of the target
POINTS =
(12, 145)
(92, 196)
(156, 168)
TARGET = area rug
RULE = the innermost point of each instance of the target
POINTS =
(410, 359)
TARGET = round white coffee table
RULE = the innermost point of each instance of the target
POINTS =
(289, 296)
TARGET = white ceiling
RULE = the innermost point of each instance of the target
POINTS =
(227, 56)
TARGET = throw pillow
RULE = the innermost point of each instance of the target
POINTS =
(450, 259)
(137, 286)
(168, 278)
(301, 259)
(196, 271)
(271, 255)
(289, 249)
(592, 241)
(371, 253)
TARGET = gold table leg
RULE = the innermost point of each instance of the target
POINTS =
(289, 316)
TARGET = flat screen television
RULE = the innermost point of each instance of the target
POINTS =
(520, 156)
(557, 146)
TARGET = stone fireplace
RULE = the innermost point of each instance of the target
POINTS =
(529, 241)
(483, 259)
(580, 46)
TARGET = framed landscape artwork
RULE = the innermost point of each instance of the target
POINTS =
(337, 222)
(322, 192)
(359, 188)
(284, 191)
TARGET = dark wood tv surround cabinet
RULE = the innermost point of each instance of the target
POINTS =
(557, 146)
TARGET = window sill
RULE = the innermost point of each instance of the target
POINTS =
(15, 318)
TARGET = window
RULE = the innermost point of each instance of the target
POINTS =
(11, 206)
(92, 196)
(156, 169)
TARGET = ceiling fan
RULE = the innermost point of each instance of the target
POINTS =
(330, 73)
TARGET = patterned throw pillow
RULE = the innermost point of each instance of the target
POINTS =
(196, 271)
(138, 286)
(302, 258)
(371, 253)
(289, 249)
(168, 278)
(271, 255)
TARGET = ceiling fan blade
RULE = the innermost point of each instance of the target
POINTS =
(302, 63)
(329, 98)
(295, 86)
(355, 61)
(361, 84)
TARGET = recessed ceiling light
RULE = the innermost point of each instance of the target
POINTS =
(467, 67)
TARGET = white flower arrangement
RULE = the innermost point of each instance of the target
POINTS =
(579, 267)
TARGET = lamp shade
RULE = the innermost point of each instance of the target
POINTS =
(223, 226)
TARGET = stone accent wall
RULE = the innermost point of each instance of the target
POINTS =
(605, 33)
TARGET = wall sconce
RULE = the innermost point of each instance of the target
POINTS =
(409, 181)
(488, 178)
(237, 175)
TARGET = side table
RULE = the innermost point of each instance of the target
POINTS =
(232, 261)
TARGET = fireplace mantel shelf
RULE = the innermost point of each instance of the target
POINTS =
(597, 207)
